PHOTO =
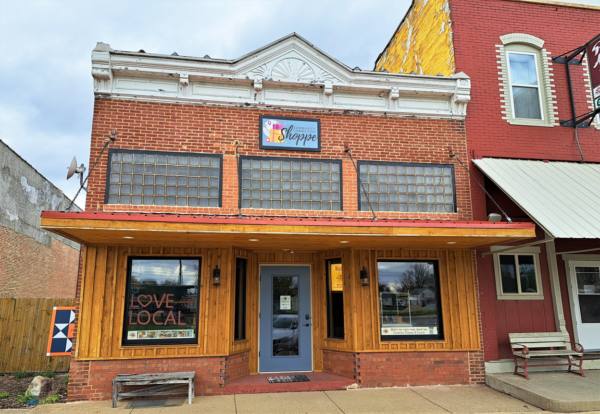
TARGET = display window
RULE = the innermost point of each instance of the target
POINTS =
(162, 301)
(409, 300)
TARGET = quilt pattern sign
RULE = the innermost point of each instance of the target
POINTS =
(284, 133)
(60, 341)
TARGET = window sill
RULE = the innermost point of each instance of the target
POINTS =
(520, 297)
(525, 122)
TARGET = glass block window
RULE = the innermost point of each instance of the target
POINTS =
(427, 188)
(163, 179)
(285, 184)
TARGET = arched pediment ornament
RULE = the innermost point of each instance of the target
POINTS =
(293, 69)
(527, 39)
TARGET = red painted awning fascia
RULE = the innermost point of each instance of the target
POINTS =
(190, 218)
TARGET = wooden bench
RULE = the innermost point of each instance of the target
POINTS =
(544, 345)
(157, 385)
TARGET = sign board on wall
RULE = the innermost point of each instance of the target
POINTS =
(337, 280)
(60, 341)
(593, 54)
(296, 134)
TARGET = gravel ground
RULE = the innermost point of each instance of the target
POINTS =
(14, 387)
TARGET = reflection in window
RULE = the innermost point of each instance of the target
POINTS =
(162, 301)
(164, 179)
(335, 299)
(588, 289)
(285, 184)
(240, 299)
(518, 273)
(409, 305)
(524, 84)
(284, 329)
(407, 187)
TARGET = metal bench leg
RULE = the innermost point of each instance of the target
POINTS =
(571, 364)
(190, 391)
(524, 367)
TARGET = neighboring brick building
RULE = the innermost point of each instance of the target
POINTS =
(34, 263)
(537, 179)
(207, 197)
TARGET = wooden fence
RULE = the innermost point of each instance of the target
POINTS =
(24, 330)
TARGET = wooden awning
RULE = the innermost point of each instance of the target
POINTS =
(149, 229)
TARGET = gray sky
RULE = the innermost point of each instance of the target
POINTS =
(46, 96)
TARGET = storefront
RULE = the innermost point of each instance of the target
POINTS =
(280, 212)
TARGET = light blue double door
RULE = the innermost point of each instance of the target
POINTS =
(285, 319)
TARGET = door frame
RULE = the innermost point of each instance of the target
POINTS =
(571, 259)
(310, 277)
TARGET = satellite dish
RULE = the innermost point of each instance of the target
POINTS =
(72, 168)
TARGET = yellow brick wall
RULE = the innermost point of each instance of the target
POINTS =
(423, 42)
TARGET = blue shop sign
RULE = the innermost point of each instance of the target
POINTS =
(296, 134)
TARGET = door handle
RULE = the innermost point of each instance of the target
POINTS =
(307, 316)
(308, 324)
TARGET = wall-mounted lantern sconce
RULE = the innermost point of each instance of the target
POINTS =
(217, 276)
(364, 277)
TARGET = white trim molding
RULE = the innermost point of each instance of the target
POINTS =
(288, 74)
(550, 110)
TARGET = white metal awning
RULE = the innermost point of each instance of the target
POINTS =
(561, 197)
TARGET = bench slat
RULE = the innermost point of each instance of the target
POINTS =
(153, 377)
(534, 345)
(553, 337)
(550, 353)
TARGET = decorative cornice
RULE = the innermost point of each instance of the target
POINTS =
(287, 74)
(522, 38)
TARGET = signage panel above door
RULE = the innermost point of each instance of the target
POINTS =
(295, 134)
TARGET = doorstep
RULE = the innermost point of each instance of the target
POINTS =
(318, 381)
(557, 391)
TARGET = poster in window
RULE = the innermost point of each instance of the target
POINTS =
(337, 280)
(285, 302)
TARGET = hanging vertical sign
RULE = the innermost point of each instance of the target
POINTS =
(593, 54)
(60, 341)
(297, 134)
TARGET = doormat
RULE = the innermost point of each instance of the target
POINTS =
(287, 378)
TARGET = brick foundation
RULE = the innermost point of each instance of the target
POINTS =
(92, 380)
(392, 369)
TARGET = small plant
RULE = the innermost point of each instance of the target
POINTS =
(20, 374)
(22, 399)
(3, 394)
(22, 389)
(47, 374)
(65, 380)
(51, 399)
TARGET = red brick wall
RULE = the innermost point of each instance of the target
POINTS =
(206, 129)
(339, 363)
(392, 369)
(236, 367)
(29, 269)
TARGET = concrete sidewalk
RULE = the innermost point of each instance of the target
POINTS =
(438, 399)
(553, 391)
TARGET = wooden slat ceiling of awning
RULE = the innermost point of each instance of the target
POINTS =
(278, 233)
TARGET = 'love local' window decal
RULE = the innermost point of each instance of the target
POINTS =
(296, 134)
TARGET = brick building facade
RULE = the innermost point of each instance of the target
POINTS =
(339, 233)
(486, 35)
(34, 263)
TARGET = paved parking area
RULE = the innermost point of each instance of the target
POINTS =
(437, 399)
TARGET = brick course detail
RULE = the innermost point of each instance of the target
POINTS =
(393, 369)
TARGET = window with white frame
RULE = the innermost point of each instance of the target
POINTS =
(525, 85)
(527, 90)
(517, 273)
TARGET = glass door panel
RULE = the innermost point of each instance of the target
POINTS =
(284, 332)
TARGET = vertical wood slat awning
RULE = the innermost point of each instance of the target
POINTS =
(265, 233)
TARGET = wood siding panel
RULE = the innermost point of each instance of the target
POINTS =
(24, 330)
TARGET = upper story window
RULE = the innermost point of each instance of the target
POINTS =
(163, 178)
(286, 183)
(527, 90)
(525, 85)
(407, 187)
